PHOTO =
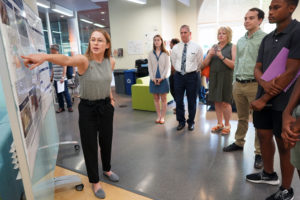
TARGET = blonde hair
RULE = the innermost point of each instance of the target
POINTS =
(228, 32)
(162, 46)
(107, 52)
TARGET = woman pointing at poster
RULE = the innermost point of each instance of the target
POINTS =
(96, 107)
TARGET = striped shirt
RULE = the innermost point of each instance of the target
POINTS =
(57, 72)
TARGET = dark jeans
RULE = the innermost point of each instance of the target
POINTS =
(185, 83)
(96, 126)
(60, 96)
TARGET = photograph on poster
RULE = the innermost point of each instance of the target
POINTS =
(26, 119)
(21, 24)
(20, 4)
(3, 13)
(34, 99)
(16, 58)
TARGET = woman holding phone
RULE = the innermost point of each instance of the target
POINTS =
(159, 69)
(221, 59)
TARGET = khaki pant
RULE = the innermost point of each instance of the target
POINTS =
(244, 94)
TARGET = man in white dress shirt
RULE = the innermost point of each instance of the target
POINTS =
(186, 58)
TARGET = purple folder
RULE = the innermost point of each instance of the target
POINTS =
(277, 67)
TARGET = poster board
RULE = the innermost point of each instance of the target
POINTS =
(28, 92)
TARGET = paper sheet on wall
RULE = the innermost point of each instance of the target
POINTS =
(135, 47)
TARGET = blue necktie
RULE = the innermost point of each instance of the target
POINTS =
(183, 60)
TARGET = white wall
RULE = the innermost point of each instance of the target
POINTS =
(296, 14)
(130, 21)
(168, 19)
(188, 15)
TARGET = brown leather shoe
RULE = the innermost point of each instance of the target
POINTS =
(60, 110)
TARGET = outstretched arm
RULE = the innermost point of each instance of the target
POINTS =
(35, 60)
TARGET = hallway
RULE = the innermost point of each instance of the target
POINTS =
(161, 163)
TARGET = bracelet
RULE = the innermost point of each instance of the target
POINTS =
(223, 58)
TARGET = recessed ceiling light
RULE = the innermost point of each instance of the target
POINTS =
(99, 25)
(62, 10)
(102, 13)
(102, 19)
(62, 16)
(42, 5)
(86, 21)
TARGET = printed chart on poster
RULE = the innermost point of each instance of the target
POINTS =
(22, 35)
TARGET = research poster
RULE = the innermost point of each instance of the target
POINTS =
(22, 34)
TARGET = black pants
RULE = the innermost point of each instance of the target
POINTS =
(185, 83)
(172, 89)
(96, 125)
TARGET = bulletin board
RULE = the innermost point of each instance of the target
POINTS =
(28, 95)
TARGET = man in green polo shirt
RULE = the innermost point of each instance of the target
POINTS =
(245, 85)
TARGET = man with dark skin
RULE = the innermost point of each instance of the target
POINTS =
(268, 121)
(291, 126)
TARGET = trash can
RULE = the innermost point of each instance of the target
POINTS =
(120, 81)
(129, 79)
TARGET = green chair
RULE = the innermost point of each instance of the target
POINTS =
(142, 99)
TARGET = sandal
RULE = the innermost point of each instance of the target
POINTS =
(217, 128)
(162, 121)
(226, 130)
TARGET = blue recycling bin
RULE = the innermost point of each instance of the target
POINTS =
(129, 79)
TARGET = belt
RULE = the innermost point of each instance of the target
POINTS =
(186, 72)
(95, 102)
(245, 81)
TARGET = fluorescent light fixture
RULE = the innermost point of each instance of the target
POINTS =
(43, 3)
(62, 10)
(86, 21)
(56, 32)
(99, 25)
(138, 1)
(99, 0)
(45, 30)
